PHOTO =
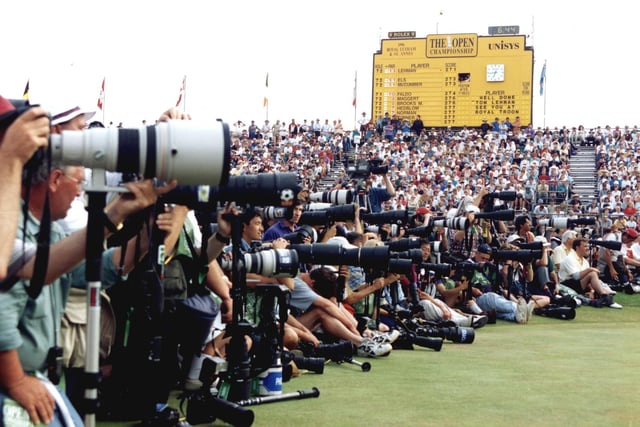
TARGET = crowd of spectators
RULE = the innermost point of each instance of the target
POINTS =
(433, 168)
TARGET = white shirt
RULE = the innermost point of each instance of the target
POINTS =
(571, 265)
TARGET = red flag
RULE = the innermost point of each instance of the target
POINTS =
(182, 90)
(101, 96)
(355, 90)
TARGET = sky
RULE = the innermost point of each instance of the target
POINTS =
(311, 50)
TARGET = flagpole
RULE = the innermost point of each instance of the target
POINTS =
(266, 96)
(355, 100)
(104, 103)
(544, 119)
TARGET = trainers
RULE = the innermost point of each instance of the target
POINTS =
(522, 310)
(386, 337)
(478, 322)
(530, 307)
(615, 305)
(370, 348)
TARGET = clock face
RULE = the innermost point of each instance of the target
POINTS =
(495, 72)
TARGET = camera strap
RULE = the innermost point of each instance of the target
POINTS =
(44, 235)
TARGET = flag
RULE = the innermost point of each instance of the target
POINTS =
(355, 90)
(543, 78)
(25, 94)
(182, 91)
(101, 96)
(266, 85)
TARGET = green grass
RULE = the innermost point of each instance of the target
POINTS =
(583, 372)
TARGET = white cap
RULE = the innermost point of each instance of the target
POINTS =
(63, 115)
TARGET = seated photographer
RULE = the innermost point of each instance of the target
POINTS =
(613, 264)
(324, 281)
(359, 296)
(564, 249)
(576, 273)
(27, 341)
(518, 277)
(483, 278)
(21, 134)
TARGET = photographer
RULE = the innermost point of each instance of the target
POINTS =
(26, 340)
(482, 277)
(18, 142)
(576, 273)
(285, 226)
(612, 264)
(377, 195)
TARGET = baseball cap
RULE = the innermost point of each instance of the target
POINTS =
(65, 113)
(422, 210)
(631, 232)
(471, 208)
(485, 249)
(5, 106)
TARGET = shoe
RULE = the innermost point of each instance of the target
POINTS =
(631, 289)
(478, 322)
(530, 307)
(386, 337)
(522, 310)
(370, 348)
(615, 305)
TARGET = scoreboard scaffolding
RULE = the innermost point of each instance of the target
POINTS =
(453, 79)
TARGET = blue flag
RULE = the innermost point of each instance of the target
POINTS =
(543, 78)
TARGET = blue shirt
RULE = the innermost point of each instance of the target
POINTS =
(276, 231)
(29, 325)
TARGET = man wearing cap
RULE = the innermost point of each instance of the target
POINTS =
(20, 136)
(483, 285)
(26, 338)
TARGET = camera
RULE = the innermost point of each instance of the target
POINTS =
(274, 213)
(376, 168)
(54, 364)
(336, 197)
(524, 256)
(533, 245)
(456, 334)
(441, 270)
(404, 244)
(394, 231)
(21, 106)
(328, 254)
(458, 223)
(262, 189)
(265, 261)
(607, 244)
(333, 214)
(399, 217)
(567, 223)
(192, 153)
(303, 232)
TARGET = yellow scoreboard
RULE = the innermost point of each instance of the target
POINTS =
(454, 79)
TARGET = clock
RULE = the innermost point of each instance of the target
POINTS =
(495, 72)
